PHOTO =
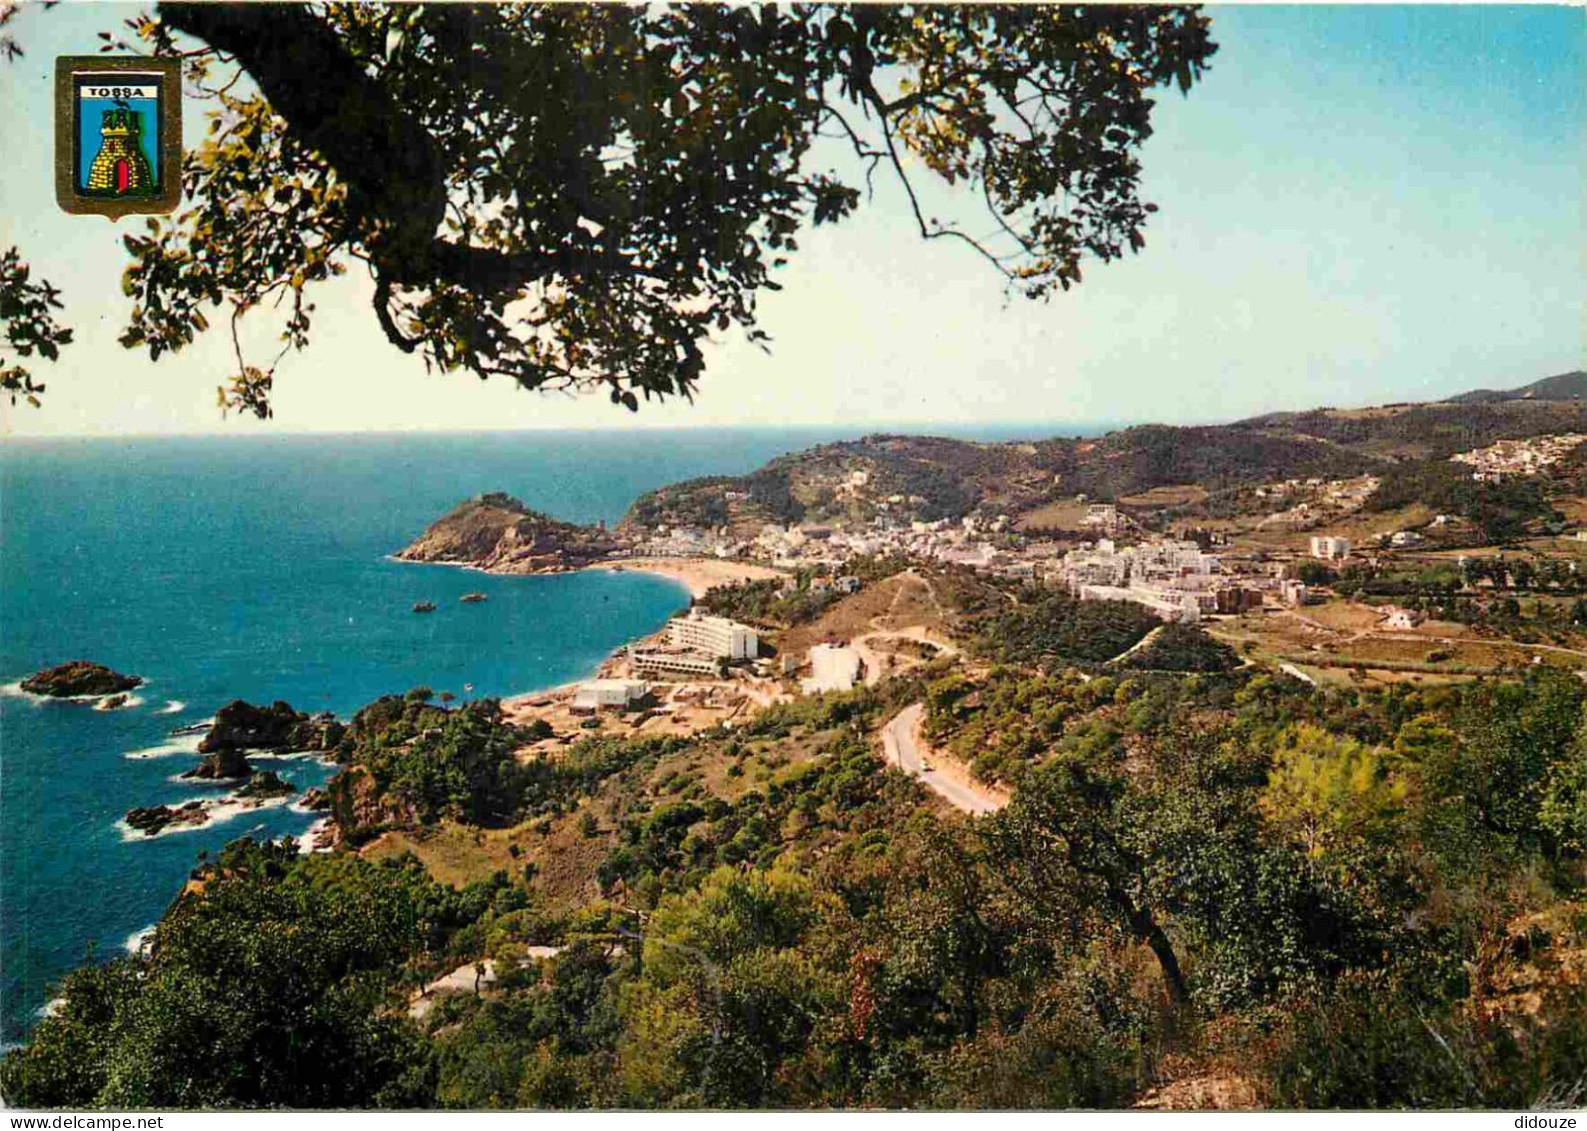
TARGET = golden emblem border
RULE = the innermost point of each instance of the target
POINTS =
(170, 179)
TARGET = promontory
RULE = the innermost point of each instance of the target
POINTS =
(497, 533)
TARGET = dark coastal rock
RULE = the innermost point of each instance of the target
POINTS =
(266, 784)
(244, 726)
(79, 677)
(113, 703)
(153, 818)
(223, 766)
(498, 533)
(316, 799)
(359, 807)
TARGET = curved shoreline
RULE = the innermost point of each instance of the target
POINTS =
(698, 575)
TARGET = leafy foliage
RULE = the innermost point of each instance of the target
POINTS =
(1184, 648)
(1502, 511)
(1344, 897)
(526, 214)
(30, 327)
(765, 601)
(1049, 626)
(265, 987)
(1324, 790)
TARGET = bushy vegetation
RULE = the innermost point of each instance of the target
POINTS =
(1183, 648)
(429, 763)
(1049, 626)
(1336, 898)
(268, 984)
(1502, 512)
(764, 602)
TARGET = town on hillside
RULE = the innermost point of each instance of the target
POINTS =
(1405, 558)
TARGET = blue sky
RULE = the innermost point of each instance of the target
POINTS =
(1359, 205)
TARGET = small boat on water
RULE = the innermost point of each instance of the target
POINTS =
(424, 607)
(472, 598)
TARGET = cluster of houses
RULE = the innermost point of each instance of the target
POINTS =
(963, 541)
(1175, 579)
(1518, 457)
(1312, 502)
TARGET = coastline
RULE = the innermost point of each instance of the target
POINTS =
(698, 575)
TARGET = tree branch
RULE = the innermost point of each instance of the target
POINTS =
(390, 163)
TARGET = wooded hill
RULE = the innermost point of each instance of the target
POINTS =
(1560, 387)
(926, 477)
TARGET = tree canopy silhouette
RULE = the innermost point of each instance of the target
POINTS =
(573, 196)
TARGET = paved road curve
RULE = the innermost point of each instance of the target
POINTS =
(901, 739)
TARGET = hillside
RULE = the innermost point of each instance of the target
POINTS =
(497, 532)
(929, 478)
(1561, 387)
(902, 479)
(1428, 431)
(926, 478)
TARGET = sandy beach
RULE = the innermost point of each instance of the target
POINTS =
(699, 574)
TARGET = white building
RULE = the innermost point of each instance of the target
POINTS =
(1329, 548)
(1169, 604)
(1292, 592)
(832, 668)
(715, 636)
(1105, 515)
(598, 693)
(659, 661)
(1399, 619)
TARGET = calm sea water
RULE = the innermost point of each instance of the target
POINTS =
(257, 569)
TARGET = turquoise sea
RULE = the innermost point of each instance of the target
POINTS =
(257, 568)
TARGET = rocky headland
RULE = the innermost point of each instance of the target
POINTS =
(240, 726)
(497, 533)
(79, 678)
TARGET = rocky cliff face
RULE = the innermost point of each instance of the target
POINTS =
(79, 677)
(498, 533)
(243, 726)
(360, 808)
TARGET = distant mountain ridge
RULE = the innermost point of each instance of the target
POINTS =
(1560, 387)
(930, 478)
(927, 478)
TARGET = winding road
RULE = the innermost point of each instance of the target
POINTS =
(901, 739)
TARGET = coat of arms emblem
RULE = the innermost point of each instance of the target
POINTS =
(118, 134)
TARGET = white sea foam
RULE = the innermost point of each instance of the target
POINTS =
(50, 1008)
(284, 755)
(14, 690)
(132, 701)
(140, 939)
(220, 811)
(186, 744)
(172, 707)
(306, 838)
